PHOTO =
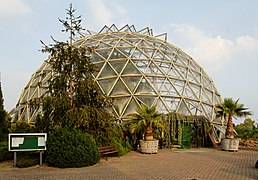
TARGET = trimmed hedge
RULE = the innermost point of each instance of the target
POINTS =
(71, 148)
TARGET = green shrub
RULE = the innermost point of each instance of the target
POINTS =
(71, 148)
(27, 159)
(22, 127)
(4, 153)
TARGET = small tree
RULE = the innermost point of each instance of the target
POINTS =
(229, 109)
(145, 120)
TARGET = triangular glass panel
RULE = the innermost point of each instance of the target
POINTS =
(173, 72)
(162, 108)
(164, 66)
(118, 65)
(204, 110)
(182, 71)
(153, 69)
(103, 44)
(122, 44)
(168, 89)
(144, 88)
(159, 55)
(137, 54)
(147, 100)
(130, 69)
(193, 106)
(168, 103)
(184, 57)
(131, 108)
(104, 53)
(171, 103)
(119, 103)
(148, 52)
(131, 82)
(209, 95)
(195, 66)
(107, 71)
(119, 89)
(179, 85)
(128, 51)
(207, 82)
(116, 54)
(194, 77)
(196, 89)
(204, 96)
(157, 83)
(106, 84)
(183, 108)
(188, 92)
(140, 64)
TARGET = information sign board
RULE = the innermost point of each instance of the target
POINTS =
(27, 141)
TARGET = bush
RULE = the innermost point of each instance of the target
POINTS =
(22, 127)
(71, 148)
(27, 159)
(4, 153)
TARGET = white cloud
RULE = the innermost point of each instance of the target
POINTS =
(101, 12)
(106, 13)
(211, 52)
(13, 7)
(246, 43)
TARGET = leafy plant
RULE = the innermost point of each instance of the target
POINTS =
(22, 127)
(248, 129)
(68, 147)
(145, 120)
(229, 109)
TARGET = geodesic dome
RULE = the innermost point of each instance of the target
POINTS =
(137, 67)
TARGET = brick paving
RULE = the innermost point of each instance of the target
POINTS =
(167, 164)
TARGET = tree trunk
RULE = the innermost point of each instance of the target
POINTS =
(148, 132)
(230, 129)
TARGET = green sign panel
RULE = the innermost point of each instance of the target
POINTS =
(27, 141)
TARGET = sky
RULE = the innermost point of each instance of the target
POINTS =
(221, 36)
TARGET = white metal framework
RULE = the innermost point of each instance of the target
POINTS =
(137, 67)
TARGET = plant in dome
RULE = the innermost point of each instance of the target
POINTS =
(230, 109)
(144, 121)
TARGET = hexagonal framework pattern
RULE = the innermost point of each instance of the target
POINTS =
(137, 67)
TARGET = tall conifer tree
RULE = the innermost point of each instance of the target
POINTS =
(74, 99)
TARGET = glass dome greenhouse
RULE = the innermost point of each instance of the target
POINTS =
(137, 67)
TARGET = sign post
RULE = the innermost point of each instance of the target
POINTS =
(27, 142)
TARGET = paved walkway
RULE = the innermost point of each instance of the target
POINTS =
(167, 164)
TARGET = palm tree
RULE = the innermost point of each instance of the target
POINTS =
(145, 120)
(229, 109)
